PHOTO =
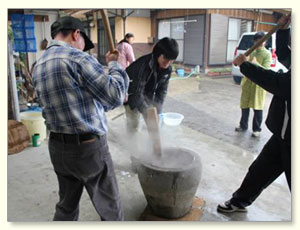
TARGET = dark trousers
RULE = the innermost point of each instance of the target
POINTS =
(274, 159)
(88, 165)
(257, 119)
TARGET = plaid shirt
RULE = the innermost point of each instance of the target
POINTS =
(74, 91)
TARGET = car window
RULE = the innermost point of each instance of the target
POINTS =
(269, 43)
(247, 42)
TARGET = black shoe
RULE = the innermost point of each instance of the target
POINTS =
(239, 129)
(227, 207)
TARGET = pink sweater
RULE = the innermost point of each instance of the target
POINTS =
(126, 54)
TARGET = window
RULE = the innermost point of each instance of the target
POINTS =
(247, 42)
(173, 28)
(234, 32)
(236, 27)
(164, 29)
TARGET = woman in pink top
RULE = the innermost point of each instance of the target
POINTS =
(126, 52)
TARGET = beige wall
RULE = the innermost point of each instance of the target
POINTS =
(118, 29)
(140, 27)
(94, 35)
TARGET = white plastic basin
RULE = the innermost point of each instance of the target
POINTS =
(173, 119)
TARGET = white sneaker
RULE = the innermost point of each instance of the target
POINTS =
(228, 207)
(255, 134)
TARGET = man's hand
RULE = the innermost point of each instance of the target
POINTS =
(240, 60)
(126, 98)
(112, 56)
(285, 21)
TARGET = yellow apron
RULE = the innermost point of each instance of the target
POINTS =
(253, 96)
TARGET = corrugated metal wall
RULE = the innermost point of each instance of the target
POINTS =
(194, 40)
(218, 46)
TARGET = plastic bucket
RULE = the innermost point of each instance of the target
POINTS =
(180, 72)
(36, 140)
(35, 123)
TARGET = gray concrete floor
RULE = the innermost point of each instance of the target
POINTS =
(211, 110)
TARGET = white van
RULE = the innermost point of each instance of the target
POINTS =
(245, 42)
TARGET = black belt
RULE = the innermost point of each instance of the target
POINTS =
(72, 138)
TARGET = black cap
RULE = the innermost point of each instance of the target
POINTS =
(71, 23)
(258, 35)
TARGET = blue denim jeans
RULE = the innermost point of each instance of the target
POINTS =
(85, 165)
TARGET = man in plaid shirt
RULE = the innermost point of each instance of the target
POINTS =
(75, 93)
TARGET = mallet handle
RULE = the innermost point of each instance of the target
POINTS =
(153, 129)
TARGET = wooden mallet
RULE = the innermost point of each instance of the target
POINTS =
(153, 130)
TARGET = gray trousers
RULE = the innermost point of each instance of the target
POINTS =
(86, 165)
(133, 120)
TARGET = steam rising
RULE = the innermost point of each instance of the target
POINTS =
(140, 146)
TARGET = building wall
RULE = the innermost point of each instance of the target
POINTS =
(194, 41)
(140, 27)
(164, 14)
(118, 29)
(216, 56)
(247, 14)
(94, 36)
(234, 13)
(218, 39)
(228, 13)
(178, 13)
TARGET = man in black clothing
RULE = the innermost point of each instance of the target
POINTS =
(149, 78)
(275, 158)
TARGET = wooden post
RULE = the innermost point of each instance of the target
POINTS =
(206, 40)
(12, 83)
(124, 21)
(107, 30)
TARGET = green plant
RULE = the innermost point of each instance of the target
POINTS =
(10, 33)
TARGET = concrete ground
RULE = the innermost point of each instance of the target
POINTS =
(211, 110)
